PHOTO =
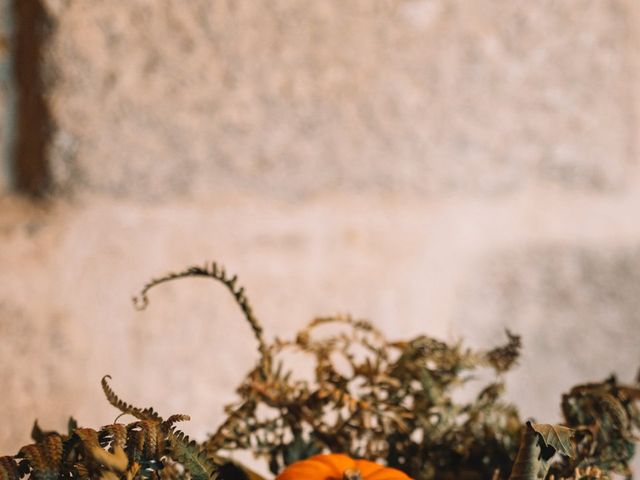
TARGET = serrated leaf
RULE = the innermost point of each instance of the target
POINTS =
(124, 407)
(538, 445)
(187, 452)
(557, 437)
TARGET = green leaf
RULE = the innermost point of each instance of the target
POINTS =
(300, 449)
(195, 460)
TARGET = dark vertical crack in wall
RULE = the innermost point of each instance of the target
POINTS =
(33, 126)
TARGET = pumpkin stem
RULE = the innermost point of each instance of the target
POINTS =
(352, 474)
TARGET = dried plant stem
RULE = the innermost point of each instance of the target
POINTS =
(216, 272)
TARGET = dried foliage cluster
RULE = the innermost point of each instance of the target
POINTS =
(604, 416)
(150, 447)
(391, 401)
(377, 399)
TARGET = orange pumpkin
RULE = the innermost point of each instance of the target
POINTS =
(335, 466)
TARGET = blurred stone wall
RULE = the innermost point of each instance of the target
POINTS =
(439, 166)
(293, 99)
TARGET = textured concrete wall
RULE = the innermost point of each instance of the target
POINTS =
(436, 166)
(479, 97)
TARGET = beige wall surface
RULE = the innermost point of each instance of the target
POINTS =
(437, 166)
(295, 98)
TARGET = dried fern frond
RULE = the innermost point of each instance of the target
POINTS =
(9, 469)
(133, 451)
(124, 407)
(504, 357)
(216, 272)
(192, 456)
(44, 458)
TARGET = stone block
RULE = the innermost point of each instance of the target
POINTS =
(291, 98)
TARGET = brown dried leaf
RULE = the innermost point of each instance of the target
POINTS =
(556, 437)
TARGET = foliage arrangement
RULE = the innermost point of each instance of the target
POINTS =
(395, 402)
(150, 447)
